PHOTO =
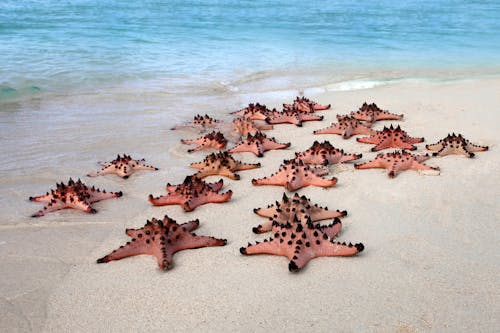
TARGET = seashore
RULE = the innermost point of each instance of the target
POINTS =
(429, 265)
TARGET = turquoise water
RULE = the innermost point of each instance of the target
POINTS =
(51, 45)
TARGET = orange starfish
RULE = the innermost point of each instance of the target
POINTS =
(193, 192)
(324, 153)
(243, 127)
(253, 112)
(214, 140)
(397, 161)
(371, 113)
(299, 206)
(455, 144)
(162, 239)
(222, 164)
(122, 166)
(258, 144)
(346, 127)
(74, 195)
(306, 105)
(294, 174)
(391, 138)
(300, 241)
(291, 116)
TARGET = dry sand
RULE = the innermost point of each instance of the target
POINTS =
(430, 263)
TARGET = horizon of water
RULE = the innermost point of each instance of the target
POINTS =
(183, 46)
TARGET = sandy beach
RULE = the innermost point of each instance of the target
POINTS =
(430, 262)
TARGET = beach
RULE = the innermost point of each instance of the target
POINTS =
(430, 262)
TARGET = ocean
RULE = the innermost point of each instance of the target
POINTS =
(84, 80)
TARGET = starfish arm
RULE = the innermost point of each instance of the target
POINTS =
(266, 212)
(319, 213)
(199, 165)
(248, 147)
(319, 107)
(309, 117)
(52, 206)
(319, 171)
(264, 127)
(435, 147)
(80, 204)
(216, 186)
(266, 247)
(378, 162)
(336, 249)
(132, 248)
(273, 145)
(191, 225)
(264, 227)
(416, 165)
(474, 148)
(104, 171)
(415, 140)
(365, 130)
(43, 198)
(141, 166)
(332, 129)
(197, 141)
(391, 144)
(169, 199)
(98, 195)
(278, 178)
(209, 197)
(192, 241)
(373, 139)
(384, 115)
(349, 157)
(226, 172)
(333, 229)
(318, 181)
(246, 166)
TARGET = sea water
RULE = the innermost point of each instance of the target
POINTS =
(83, 80)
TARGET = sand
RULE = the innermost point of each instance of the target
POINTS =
(430, 263)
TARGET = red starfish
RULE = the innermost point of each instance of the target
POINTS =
(397, 161)
(346, 127)
(253, 112)
(258, 144)
(306, 105)
(372, 113)
(221, 164)
(455, 144)
(211, 140)
(291, 116)
(162, 239)
(299, 206)
(73, 195)
(294, 174)
(302, 241)
(200, 122)
(122, 166)
(193, 192)
(243, 127)
(324, 153)
(391, 138)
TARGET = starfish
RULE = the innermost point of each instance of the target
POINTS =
(253, 112)
(73, 195)
(455, 144)
(294, 174)
(211, 140)
(122, 166)
(324, 153)
(193, 192)
(258, 144)
(391, 138)
(200, 122)
(162, 239)
(306, 105)
(397, 161)
(302, 241)
(291, 116)
(346, 127)
(243, 127)
(297, 205)
(371, 113)
(222, 164)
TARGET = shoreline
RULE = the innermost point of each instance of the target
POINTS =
(425, 239)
